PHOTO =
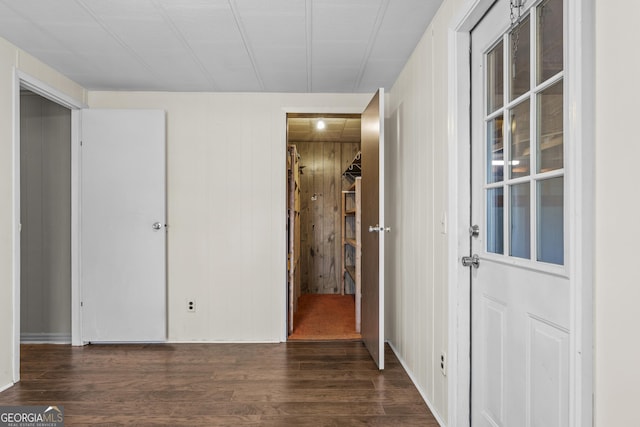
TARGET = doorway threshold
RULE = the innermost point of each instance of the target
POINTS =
(325, 317)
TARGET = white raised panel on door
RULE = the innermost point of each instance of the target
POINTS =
(547, 374)
(123, 234)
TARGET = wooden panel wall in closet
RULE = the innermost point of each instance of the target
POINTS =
(321, 185)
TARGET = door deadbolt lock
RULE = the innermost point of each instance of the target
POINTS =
(471, 261)
(474, 230)
(157, 226)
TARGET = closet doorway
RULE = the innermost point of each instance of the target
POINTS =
(323, 152)
(45, 218)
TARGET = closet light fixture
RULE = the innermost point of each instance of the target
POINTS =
(320, 125)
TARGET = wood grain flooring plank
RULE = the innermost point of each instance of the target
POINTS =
(289, 384)
(304, 396)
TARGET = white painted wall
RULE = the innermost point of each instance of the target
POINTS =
(10, 58)
(45, 137)
(617, 280)
(416, 312)
(226, 206)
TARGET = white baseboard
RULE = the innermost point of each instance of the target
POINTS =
(5, 387)
(222, 342)
(415, 383)
(45, 338)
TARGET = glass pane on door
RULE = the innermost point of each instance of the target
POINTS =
(520, 209)
(550, 224)
(520, 59)
(495, 75)
(495, 150)
(550, 54)
(495, 220)
(550, 138)
(520, 140)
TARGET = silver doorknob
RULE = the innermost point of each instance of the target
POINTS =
(157, 226)
(471, 261)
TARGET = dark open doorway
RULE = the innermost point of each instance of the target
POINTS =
(45, 207)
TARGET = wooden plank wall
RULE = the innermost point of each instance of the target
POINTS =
(323, 163)
(293, 231)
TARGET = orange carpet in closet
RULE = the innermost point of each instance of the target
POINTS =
(325, 317)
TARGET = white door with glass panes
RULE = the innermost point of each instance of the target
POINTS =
(520, 293)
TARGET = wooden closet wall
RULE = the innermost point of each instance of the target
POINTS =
(322, 183)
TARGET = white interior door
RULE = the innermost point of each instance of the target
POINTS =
(123, 226)
(520, 289)
(372, 147)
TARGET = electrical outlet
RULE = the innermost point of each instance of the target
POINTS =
(191, 306)
(443, 363)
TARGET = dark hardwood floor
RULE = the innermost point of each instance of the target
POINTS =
(292, 384)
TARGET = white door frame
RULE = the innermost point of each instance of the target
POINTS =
(580, 95)
(283, 188)
(22, 79)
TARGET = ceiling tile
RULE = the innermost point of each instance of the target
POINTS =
(95, 40)
(281, 58)
(30, 39)
(193, 5)
(271, 8)
(400, 29)
(344, 20)
(284, 80)
(9, 15)
(341, 53)
(209, 25)
(145, 35)
(376, 75)
(221, 45)
(135, 10)
(44, 12)
(59, 58)
(260, 32)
